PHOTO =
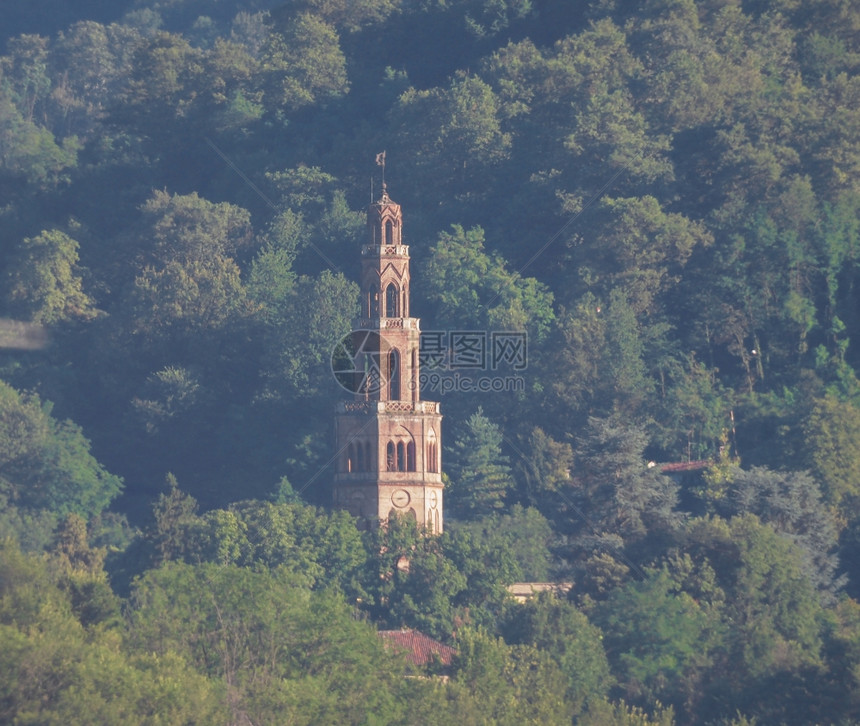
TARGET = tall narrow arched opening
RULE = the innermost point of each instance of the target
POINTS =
(410, 456)
(389, 232)
(391, 299)
(394, 375)
(432, 463)
(390, 457)
(401, 456)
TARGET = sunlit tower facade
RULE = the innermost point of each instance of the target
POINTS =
(388, 440)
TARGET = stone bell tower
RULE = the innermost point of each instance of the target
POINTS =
(388, 439)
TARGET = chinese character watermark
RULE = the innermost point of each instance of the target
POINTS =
(449, 361)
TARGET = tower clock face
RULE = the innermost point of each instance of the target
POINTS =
(434, 498)
(400, 498)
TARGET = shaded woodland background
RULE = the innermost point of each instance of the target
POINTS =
(663, 195)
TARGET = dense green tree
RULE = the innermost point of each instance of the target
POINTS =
(575, 371)
(479, 472)
(191, 284)
(169, 393)
(279, 651)
(513, 684)
(82, 575)
(89, 62)
(174, 512)
(350, 16)
(475, 288)
(173, 302)
(271, 279)
(639, 248)
(833, 436)
(542, 467)
(657, 638)
(617, 495)
(26, 68)
(625, 369)
(487, 560)
(524, 533)
(456, 132)
(487, 17)
(775, 604)
(31, 529)
(45, 463)
(694, 410)
(559, 629)
(772, 619)
(46, 284)
(161, 90)
(55, 671)
(187, 228)
(842, 638)
(620, 714)
(324, 548)
(791, 503)
(302, 63)
(30, 151)
(303, 330)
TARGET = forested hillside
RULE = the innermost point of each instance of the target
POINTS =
(662, 197)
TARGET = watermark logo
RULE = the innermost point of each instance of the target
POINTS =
(474, 350)
(446, 382)
(356, 361)
(450, 361)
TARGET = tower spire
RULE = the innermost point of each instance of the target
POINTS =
(388, 439)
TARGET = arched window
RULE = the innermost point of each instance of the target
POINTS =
(429, 522)
(391, 295)
(359, 457)
(401, 456)
(432, 463)
(391, 459)
(368, 457)
(394, 375)
(350, 459)
(373, 301)
(389, 232)
(410, 456)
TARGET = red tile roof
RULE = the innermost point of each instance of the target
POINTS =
(420, 649)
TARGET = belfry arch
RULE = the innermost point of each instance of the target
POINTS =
(394, 375)
(392, 301)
